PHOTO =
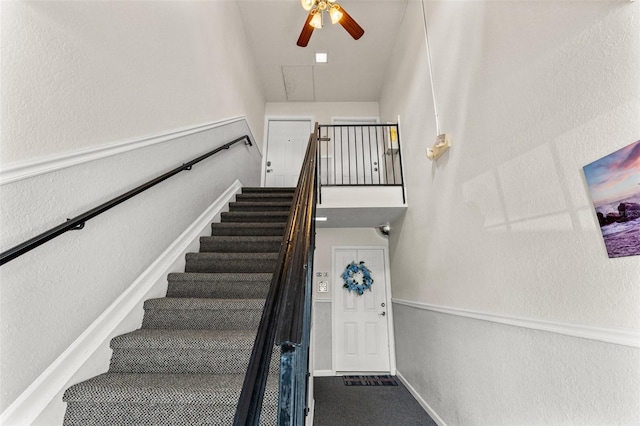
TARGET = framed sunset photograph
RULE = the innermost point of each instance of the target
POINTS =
(614, 183)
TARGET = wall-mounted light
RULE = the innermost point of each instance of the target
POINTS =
(441, 146)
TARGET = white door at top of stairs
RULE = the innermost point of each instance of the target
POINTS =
(287, 141)
(356, 154)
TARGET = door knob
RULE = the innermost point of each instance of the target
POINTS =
(268, 163)
(383, 314)
(269, 170)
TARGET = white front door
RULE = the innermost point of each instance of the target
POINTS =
(360, 322)
(286, 144)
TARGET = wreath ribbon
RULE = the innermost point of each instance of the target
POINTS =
(357, 270)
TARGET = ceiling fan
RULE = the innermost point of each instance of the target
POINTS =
(337, 15)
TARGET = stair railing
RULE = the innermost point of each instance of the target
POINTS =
(286, 318)
(78, 222)
(359, 155)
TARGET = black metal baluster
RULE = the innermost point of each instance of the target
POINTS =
(384, 157)
(348, 152)
(370, 155)
(364, 168)
(335, 179)
(355, 150)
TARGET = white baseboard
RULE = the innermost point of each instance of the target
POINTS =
(54, 380)
(38, 166)
(323, 373)
(436, 418)
(616, 335)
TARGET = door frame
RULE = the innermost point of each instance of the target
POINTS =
(265, 144)
(337, 286)
(355, 120)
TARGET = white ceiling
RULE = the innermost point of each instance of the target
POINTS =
(356, 68)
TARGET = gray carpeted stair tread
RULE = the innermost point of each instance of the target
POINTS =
(157, 351)
(140, 414)
(126, 399)
(183, 313)
(221, 277)
(254, 216)
(185, 339)
(252, 206)
(219, 285)
(265, 196)
(253, 189)
(164, 388)
(241, 243)
(195, 303)
(165, 414)
(248, 228)
(231, 262)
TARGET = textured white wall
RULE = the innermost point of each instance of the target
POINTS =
(76, 75)
(482, 373)
(529, 92)
(80, 74)
(322, 112)
(50, 295)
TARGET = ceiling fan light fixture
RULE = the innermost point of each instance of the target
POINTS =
(316, 21)
(335, 13)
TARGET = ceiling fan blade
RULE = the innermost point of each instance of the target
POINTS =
(351, 25)
(305, 34)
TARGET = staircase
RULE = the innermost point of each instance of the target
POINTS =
(186, 365)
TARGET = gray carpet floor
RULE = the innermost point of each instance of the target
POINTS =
(340, 405)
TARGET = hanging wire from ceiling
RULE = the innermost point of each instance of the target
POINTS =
(433, 90)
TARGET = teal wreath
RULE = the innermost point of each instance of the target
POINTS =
(354, 271)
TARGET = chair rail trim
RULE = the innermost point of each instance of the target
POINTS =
(617, 335)
(42, 165)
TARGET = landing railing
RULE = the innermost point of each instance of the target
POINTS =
(359, 155)
(286, 318)
(78, 222)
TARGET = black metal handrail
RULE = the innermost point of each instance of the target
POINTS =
(286, 316)
(78, 222)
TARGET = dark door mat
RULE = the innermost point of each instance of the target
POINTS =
(370, 380)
